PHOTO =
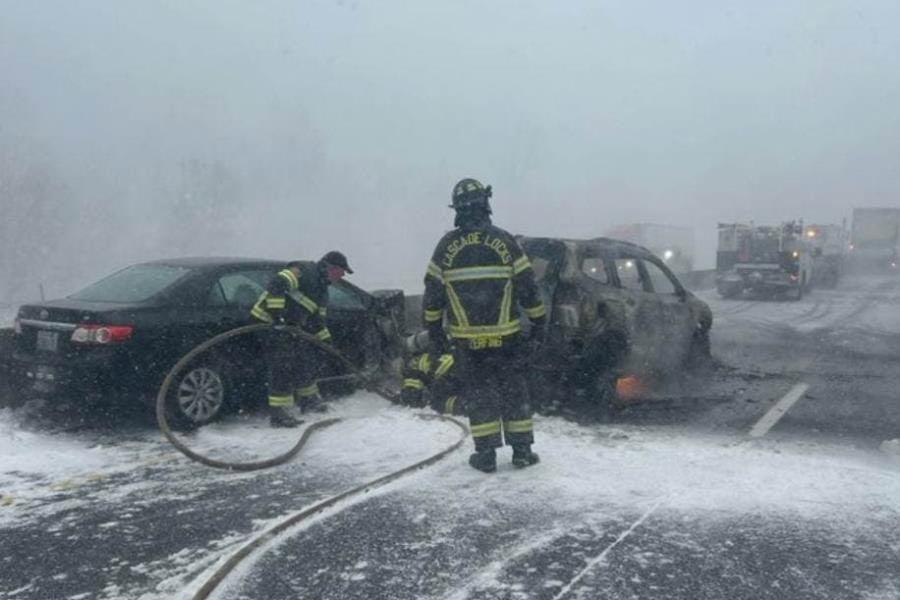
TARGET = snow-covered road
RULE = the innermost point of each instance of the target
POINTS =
(669, 499)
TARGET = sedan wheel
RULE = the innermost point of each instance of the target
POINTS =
(200, 395)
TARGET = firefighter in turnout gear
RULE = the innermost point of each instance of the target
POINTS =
(477, 279)
(296, 296)
(426, 381)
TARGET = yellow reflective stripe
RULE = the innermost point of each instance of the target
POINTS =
(415, 384)
(506, 304)
(261, 314)
(485, 429)
(446, 363)
(324, 335)
(521, 265)
(434, 271)
(304, 301)
(432, 316)
(459, 313)
(292, 280)
(537, 312)
(485, 331)
(274, 302)
(450, 406)
(475, 273)
(281, 400)
(310, 390)
(523, 426)
(424, 363)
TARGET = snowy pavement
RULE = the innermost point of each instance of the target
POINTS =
(671, 498)
(7, 315)
(454, 534)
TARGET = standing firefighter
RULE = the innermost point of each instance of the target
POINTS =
(297, 296)
(479, 276)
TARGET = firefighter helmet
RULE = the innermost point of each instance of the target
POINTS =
(469, 193)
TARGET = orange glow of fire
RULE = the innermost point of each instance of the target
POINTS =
(630, 387)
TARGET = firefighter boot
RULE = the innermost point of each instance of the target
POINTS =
(280, 417)
(484, 460)
(524, 457)
(313, 404)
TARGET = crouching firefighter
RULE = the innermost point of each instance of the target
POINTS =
(477, 278)
(297, 296)
(433, 382)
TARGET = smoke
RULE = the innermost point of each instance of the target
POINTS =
(132, 131)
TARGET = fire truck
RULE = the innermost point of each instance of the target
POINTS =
(763, 260)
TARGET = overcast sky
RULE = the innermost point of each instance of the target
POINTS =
(345, 123)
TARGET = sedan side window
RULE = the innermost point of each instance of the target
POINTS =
(629, 272)
(342, 298)
(660, 280)
(241, 289)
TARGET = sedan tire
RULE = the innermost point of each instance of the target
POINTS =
(198, 396)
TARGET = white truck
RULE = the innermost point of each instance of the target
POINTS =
(774, 260)
(829, 244)
(875, 239)
(674, 245)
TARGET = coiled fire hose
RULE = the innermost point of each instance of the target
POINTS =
(222, 572)
(213, 342)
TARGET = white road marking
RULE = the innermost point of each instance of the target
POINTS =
(602, 556)
(778, 411)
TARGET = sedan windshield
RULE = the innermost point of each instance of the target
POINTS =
(134, 284)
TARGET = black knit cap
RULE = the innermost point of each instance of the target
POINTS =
(337, 259)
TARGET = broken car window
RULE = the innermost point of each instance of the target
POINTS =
(660, 280)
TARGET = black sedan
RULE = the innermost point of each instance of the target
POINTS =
(122, 334)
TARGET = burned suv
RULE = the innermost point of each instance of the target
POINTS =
(616, 311)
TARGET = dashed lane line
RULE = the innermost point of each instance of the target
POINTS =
(780, 409)
(600, 558)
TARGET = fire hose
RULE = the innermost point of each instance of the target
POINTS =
(229, 565)
(163, 393)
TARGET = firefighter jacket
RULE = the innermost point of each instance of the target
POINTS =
(438, 378)
(296, 300)
(479, 276)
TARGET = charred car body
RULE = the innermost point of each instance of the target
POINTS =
(125, 332)
(763, 260)
(615, 310)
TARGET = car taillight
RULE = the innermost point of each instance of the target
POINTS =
(102, 334)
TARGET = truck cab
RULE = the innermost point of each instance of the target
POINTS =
(771, 260)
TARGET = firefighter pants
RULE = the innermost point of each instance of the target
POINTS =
(495, 395)
(292, 369)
